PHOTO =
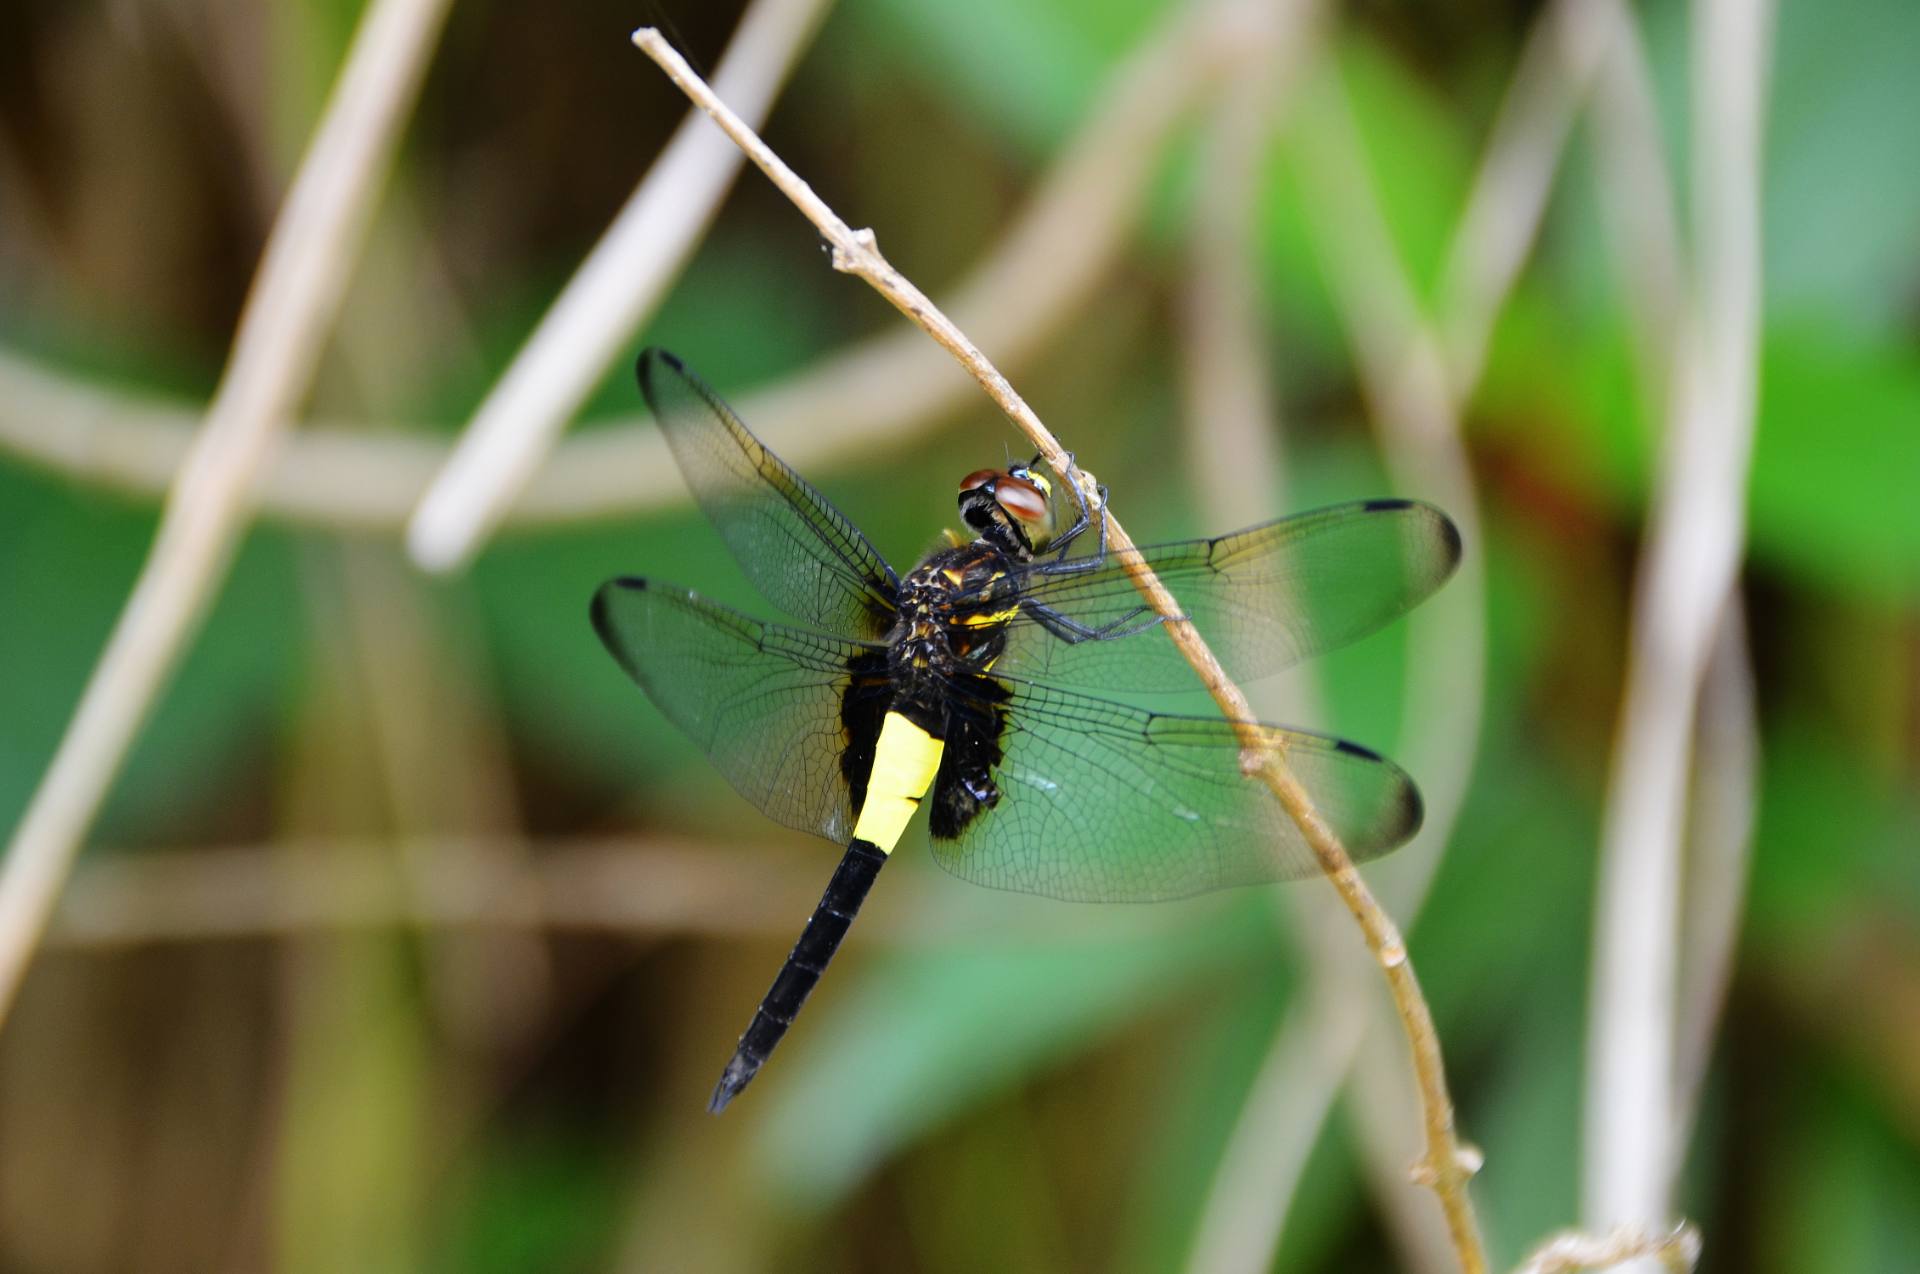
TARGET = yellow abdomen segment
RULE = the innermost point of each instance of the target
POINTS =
(904, 763)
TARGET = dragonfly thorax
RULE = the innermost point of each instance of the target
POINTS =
(953, 612)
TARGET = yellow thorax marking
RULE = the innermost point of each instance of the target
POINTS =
(997, 617)
(904, 762)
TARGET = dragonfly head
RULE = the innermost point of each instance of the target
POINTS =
(1010, 508)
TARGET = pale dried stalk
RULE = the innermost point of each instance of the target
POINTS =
(1688, 572)
(1719, 846)
(1638, 207)
(609, 296)
(872, 394)
(1637, 201)
(295, 296)
(640, 887)
(1558, 65)
(1446, 1166)
(1678, 1250)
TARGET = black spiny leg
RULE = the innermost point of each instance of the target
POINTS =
(1138, 620)
(1084, 517)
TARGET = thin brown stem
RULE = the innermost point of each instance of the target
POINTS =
(1446, 1166)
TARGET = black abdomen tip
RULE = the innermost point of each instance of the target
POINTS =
(739, 1073)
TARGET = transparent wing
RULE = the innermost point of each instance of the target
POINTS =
(1100, 802)
(1264, 598)
(771, 706)
(800, 552)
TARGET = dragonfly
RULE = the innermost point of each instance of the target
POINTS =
(961, 685)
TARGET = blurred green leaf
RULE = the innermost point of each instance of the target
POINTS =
(1831, 833)
(1842, 187)
(1835, 462)
(534, 1203)
(1841, 1197)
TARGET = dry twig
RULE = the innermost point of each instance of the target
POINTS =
(296, 293)
(1446, 1165)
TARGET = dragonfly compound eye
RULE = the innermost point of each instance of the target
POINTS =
(1023, 497)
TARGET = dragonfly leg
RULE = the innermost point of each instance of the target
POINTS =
(1138, 620)
(1057, 564)
(1083, 516)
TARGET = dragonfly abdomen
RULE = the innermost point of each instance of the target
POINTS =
(831, 919)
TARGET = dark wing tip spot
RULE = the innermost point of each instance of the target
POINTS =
(646, 369)
(601, 613)
(655, 354)
(1412, 816)
(1446, 533)
(1354, 749)
(1450, 537)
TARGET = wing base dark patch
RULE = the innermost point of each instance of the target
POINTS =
(863, 709)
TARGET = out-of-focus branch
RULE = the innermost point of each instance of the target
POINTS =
(870, 396)
(200, 895)
(1687, 574)
(641, 887)
(295, 296)
(1726, 777)
(608, 298)
(1643, 220)
(442, 765)
(1446, 1166)
(1564, 1253)
(1562, 56)
(1637, 201)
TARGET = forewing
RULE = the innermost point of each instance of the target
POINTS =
(766, 703)
(800, 552)
(1100, 802)
(1264, 598)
